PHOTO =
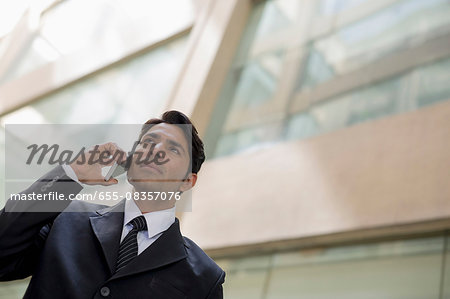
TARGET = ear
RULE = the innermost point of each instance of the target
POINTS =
(189, 182)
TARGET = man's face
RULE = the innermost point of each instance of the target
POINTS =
(165, 145)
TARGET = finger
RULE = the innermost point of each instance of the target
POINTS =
(111, 147)
(111, 181)
(117, 154)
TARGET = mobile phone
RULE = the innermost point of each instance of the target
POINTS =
(118, 169)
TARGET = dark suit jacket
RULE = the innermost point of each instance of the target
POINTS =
(73, 254)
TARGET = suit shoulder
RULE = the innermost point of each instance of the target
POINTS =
(83, 207)
(200, 259)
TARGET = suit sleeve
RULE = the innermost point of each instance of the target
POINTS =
(217, 290)
(25, 224)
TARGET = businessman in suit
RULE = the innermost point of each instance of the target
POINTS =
(133, 249)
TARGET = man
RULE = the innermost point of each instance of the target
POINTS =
(133, 249)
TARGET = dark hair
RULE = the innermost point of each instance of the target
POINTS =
(196, 152)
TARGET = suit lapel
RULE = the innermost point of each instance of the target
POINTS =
(167, 249)
(107, 227)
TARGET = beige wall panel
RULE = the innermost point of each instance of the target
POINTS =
(383, 173)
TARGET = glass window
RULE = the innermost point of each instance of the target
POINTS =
(257, 81)
(377, 101)
(264, 87)
(402, 25)
(384, 270)
(390, 269)
(274, 16)
(446, 273)
(38, 54)
(245, 284)
(245, 277)
(249, 139)
(256, 84)
(13, 289)
(269, 20)
(433, 83)
(128, 93)
(331, 7)
(113, 22)
(71, 26)
(317, 70)
(424, 86)
(250, 101)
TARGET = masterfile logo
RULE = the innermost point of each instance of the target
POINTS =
(32, 151)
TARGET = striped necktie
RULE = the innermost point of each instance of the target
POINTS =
(128, 249)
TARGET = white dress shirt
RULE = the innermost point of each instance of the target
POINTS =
(157, 222)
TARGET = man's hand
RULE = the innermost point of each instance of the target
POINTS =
(88, 167)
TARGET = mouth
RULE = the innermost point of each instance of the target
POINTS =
(151, 166)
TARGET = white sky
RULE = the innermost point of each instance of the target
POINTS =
(12, 10)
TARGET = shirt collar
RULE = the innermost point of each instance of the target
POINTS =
(157, 221)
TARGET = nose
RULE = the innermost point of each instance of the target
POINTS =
(158, 147)
(154, 149)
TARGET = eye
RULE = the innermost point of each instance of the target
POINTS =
(148, 140)
(175, 150)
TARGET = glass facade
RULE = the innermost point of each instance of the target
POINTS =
(331, 7)
(267, 97)
(404, 24)
(13, 289)
(415, 89)
(410, 269)
(112, 23)
(127, 93)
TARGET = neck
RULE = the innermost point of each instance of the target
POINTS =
(151, 205)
